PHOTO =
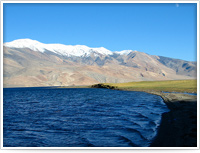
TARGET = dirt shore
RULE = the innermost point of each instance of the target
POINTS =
(178, 127)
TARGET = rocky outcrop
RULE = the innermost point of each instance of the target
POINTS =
(100, 85)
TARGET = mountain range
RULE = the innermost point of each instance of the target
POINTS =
(29, 63)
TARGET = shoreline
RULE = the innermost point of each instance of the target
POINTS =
(178, 127)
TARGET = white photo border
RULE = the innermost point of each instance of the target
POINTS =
(102, 148)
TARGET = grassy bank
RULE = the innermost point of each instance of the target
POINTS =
(189, 86)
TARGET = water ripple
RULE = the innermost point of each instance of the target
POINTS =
(45, 117)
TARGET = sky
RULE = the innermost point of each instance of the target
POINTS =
(164, 29)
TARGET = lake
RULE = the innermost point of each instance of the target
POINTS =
(79, 117)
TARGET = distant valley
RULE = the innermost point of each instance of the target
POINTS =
(29, 63)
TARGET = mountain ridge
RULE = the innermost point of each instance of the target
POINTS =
(24, 66)
(76, 50)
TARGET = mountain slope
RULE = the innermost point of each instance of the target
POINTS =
(31, 63)
(180, 66)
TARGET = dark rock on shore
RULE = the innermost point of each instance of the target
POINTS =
(101, 85)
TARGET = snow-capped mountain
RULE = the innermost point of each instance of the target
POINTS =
(65, 50)
(31, 63)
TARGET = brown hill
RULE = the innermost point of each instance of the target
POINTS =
(24, 67)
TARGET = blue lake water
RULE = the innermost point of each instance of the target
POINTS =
(50, 117)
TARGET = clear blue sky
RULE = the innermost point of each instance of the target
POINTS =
(157, 29)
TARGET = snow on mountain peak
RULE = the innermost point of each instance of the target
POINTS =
(124, 52)
(26, 43)
(65, 50)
